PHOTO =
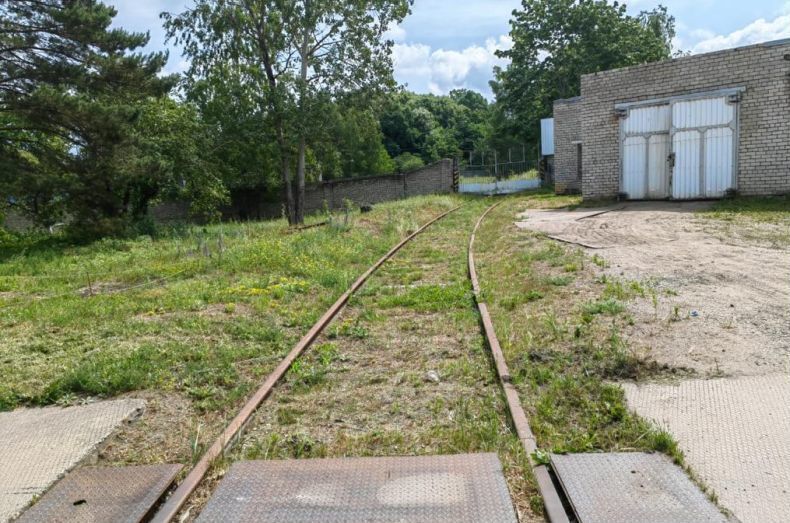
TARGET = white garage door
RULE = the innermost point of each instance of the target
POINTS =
(703, 140)
(681, 149)
(645, 152)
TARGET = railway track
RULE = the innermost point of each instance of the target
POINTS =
(170, 509)
(555, 512)
(426, 476)
(548, 491)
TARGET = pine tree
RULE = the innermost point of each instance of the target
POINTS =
(71, 91)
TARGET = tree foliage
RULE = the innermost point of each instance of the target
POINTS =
(295, 56)
(555, 42)
(278, 93)
(71, 94)
(431, 127)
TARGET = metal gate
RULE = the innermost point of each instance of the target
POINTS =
(498, 173)
(681, 148)
(703, 144)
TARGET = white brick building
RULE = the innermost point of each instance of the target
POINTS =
(693, 127)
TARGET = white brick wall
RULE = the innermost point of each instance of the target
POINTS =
(567, 130)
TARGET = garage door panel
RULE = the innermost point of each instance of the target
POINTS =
(702, 113)
(648, 120)
(657, 168)
(699, 133)
(686, 175)
(718, 161)
(634, 167)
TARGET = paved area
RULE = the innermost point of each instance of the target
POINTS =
(625, 487)
(38, 446)
(735, 434)
(454, 489)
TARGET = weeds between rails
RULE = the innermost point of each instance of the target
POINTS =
(178, 499)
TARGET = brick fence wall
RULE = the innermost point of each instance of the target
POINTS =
(436, 178)
(13, 221)
(764, 138)
(567, 134)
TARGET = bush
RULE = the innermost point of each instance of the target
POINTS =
(7, 239)
(408, 162)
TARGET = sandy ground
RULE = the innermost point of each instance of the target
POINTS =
(721, 304)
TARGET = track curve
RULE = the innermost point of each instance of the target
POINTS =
(548, 491)
(170, 509)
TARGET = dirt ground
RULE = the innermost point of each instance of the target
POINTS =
(717, 300)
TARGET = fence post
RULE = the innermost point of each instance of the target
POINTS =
(456, 174)
(496, 166)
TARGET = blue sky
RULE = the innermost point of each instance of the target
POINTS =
(446, 44)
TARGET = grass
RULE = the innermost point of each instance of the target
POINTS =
(203, 312)
(565, 348)
(418, 317)
(761, 219)
(770, 209)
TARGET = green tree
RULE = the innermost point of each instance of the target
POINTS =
(244, 145)
(351, 144)
(555, 42)
(433, 127)
(174, 156)
(70, 93)
(297, 54)
(408, 162)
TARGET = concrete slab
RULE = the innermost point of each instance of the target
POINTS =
(735, 433)
(38, 446)
(464, 488)
(103, 495)
(624, 487)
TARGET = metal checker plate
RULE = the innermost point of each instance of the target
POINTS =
(453, 489)
(103, 494)
(631, 486)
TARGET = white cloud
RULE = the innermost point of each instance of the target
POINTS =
(760, 30)
(395, 33)
(439, 71)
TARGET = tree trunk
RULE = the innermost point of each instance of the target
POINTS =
(285, 168)
(300, 185)
(290, 207)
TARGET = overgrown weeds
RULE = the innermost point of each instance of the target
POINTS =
(566, 347)
(759, 219)
(203, 311)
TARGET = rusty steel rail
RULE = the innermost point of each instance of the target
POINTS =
(178, 499)
(551, 498)
(300, 228)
